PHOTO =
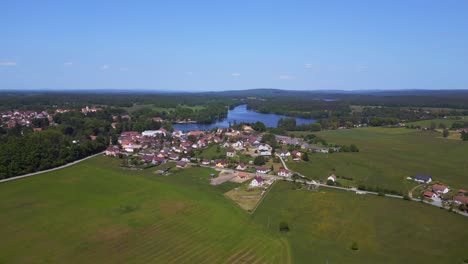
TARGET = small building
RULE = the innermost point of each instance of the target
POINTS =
(429, 194)
(256, 182)
(460, 199)
(221, 164)
(284, 153)
(230, 152)
(181, 164)
(284, 172)
(242, 175)
(241, 167)
(205, 162)
(439, 188)
(422, 178)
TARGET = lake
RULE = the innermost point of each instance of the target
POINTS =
(242, 114)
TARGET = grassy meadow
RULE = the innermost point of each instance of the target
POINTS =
(388, 155)
(324, 224)
(96, 212)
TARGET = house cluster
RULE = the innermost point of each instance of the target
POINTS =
(440, 191)
(10, 119)
(87, 110)
(160, 146)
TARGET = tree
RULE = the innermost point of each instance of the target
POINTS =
(464, 136)
(353, 148)
(445, 133)
(433, 125)
(259, 126)
(305, 156)
(259, 160)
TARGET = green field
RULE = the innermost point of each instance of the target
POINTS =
(447, 122)
(388, 155)
(97, 212)
(324, 225)
(159, 109)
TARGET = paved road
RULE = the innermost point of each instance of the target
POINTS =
(49, 170)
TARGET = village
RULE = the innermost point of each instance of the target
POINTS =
(242, 155)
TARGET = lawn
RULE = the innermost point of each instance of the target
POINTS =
(96, 212)
(247, 198)
(388, 155)
(211, 152)
(324, 224)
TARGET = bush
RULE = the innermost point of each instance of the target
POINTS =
(283, 226)
(406, 197)
(354, 246)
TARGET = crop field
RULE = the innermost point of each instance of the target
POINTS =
(388, 155)
(324, 224)
(96, 212)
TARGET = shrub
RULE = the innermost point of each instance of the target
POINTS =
(283, 226)
(406, 197)
(354, 246)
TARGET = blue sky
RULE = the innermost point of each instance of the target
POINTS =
(222, 45)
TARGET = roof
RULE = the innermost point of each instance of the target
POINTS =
(284, 170)
(461, 199)
(259, 179)
(243, 174)
(422, 177)
(439, 187)
(429, 194)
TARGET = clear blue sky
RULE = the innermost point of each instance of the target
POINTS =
(220, 45)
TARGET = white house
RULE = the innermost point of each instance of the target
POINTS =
(153, 133)
(241, 167)
(265, 153)
(256, 182)
(284, 173)
(439, 188)
(284, 153)
(263, 147)
(230, 153)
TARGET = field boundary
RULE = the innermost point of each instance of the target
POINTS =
(49, 170)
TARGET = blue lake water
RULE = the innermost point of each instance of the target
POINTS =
(242, 114)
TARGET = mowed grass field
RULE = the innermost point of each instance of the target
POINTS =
(388, 155)
(324, 224)
(96, 212)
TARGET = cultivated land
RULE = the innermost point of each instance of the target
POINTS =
(96, 212)
(324, 225)
(388, 155)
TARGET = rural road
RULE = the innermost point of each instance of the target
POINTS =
(49, 170)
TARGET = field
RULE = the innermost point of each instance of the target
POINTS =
(323, 225)
(95, 212)
(388, 155)
(246, 198)
(447, 122)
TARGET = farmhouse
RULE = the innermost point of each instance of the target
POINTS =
(256, 182)
(439, 188)
(422, 178)
(284, 173)
(429, 194)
